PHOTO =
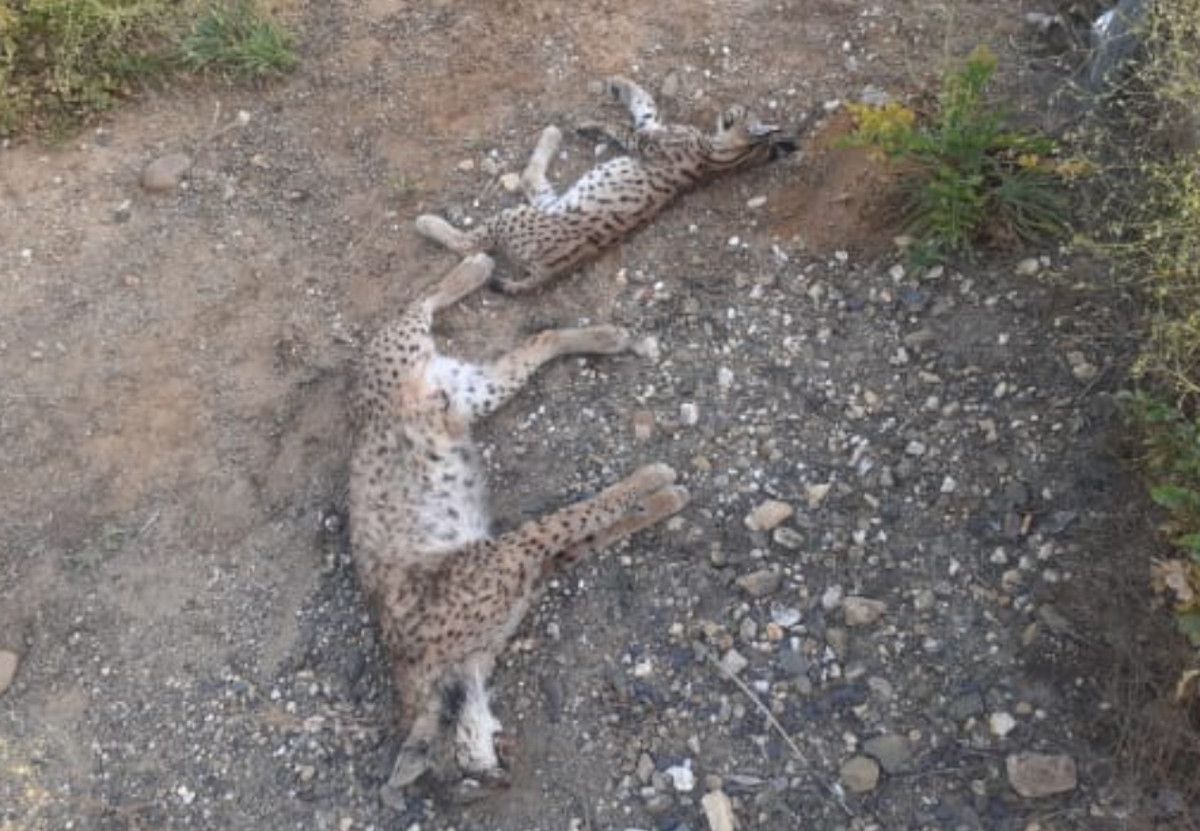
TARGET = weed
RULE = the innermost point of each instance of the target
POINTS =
(62, 61)
(1171, 460)
(235, 39)
(963, 171)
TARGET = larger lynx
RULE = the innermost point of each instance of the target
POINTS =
(447, 594)
(554, 233)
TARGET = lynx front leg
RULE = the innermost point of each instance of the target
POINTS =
(442, 232)
(642, 108)
(479, 390)
(536, 187)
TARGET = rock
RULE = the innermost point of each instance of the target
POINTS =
(643, 425)
(785, 616)
(873, 96)
(815, 494)
(718, 810)
(768, 515)
(891, 750)
(1081, 367)
(748, 629)
(756, 202)
(1028, 267)
(838, 640)
(681, 777)
(165, 172)
(919, 339)
(1001, 724)
(466, 165)
(1034, 775)
(689, 414)
(511, 182)
(8, 669)
(831, 598)
(760, 583)
(645, 768)
(1116, 37)
(789, 538)
(670, 85)
(862, 611)
(915, 448)
(734, 662)
(793, 663)
(860, 774)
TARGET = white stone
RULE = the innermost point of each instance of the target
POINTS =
(718, 810)
(681, 777)
(1001, 724)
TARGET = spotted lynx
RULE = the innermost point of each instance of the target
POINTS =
(555, 233)
(447, 594)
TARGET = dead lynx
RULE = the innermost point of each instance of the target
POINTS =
(447, 594)
(553, 233)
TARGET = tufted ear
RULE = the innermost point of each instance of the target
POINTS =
(730, 117)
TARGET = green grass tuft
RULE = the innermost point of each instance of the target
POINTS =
(235, 39)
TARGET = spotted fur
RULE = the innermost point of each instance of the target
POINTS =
(447, 594)
(555, 233)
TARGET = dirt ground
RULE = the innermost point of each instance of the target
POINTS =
(173, 574)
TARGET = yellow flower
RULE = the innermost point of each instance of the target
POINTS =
(1071, 169)
(1028, 161)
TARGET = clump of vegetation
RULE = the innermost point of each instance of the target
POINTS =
(963, 171)
(1172, 463)
(1155, 218)
(236, 39)
(62, 61)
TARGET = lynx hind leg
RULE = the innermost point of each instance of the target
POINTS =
(640, 103)
(478, 728)
(464, 279)
(416, 755)
(650, 510)
(534, 183)
(442, 232)
(480, 390)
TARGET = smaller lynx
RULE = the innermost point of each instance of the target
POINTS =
(447, 594)
(553, 233)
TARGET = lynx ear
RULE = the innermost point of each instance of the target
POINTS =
(730, 117)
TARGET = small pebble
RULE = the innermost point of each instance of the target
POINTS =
(862, 611)
(760, 583)
(718, 810)
(8, 669)
(768, 515)
(1034, 775)
(165, 172)
(860, 774)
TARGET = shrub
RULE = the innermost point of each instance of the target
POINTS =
(963, 171)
